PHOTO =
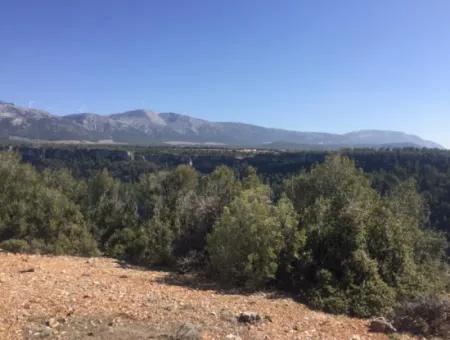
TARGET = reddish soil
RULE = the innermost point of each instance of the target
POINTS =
(78, 298)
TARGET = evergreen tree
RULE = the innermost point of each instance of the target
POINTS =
(246, 240)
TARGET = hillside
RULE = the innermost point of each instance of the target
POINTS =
(81, 298)
(145, 127)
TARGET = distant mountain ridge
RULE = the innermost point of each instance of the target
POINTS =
(145, 127)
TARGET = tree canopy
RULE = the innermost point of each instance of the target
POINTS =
(342, 239)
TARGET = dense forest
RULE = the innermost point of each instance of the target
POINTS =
(360, 232)
(430, 169)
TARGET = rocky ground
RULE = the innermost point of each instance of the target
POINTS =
(79, 298)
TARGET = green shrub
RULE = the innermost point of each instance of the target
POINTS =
(74, 240)
(427, 316)
(121, 246)
(109, 206)
(363, 252)
(41, 217)
(160, 241)
(15, 246)
(246, 241)
(148, 244)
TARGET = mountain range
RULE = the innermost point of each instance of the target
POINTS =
(143, 127)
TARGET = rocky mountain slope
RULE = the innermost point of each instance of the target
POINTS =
(147, 127)
(79, 298)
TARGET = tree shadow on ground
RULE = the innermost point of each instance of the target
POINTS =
(199, 281)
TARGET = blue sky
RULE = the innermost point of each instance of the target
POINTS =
(311, 65)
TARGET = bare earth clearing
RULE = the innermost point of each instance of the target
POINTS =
(79, 298)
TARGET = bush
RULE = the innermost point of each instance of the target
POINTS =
(363, 251)
(192, 261)
(37, 218)
(427, 316)
(246, 241)
(148, 244)
(109, 207)
(74, 240)
(160, 241)
(15, 246)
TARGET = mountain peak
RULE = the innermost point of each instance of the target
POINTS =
(149, 127)
(140, 119)
(389, 137)
(9, 110)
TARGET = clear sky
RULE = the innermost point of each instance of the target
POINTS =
(312, 65)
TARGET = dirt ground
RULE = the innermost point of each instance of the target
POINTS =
(79, 298)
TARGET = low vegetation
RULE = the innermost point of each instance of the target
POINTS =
(426, 315)
(326, 234)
